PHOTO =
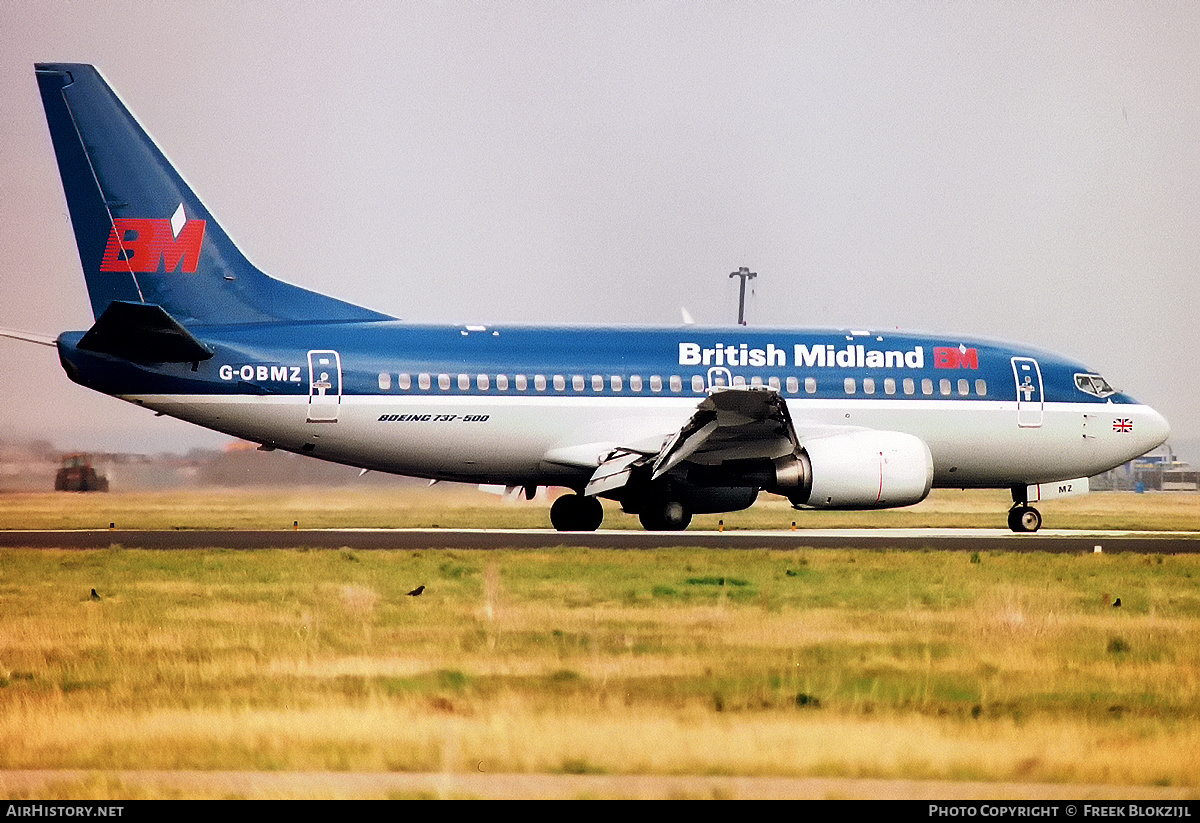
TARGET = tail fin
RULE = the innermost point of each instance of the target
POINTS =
(143, 235)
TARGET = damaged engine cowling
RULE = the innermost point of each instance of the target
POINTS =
(856, 470)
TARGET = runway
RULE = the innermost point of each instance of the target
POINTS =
(1047, 540)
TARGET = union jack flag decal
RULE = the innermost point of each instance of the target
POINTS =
(1122, 424)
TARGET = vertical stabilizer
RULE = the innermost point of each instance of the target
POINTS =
(143, 235)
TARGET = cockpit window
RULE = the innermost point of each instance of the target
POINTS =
(1094, 384)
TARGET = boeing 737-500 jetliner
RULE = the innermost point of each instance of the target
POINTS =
(669, 422)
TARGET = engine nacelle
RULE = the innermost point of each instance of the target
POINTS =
(861, 470)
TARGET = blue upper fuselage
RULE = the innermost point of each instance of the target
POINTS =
(390, 357)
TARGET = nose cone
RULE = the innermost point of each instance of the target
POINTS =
(1151, 429)
(1155, 428)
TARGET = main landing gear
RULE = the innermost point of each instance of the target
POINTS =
(664, 516)
(576, 513)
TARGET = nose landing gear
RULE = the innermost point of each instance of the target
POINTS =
(1024, 518)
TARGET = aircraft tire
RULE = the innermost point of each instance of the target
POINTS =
(665, 516)
(576, 513)
(1024, 519)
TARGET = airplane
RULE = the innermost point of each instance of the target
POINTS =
(668, 422)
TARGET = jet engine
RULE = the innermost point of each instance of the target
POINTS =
(857, 470)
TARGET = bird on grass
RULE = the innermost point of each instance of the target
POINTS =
(94, 595)
(1117, 604)
(416, 592)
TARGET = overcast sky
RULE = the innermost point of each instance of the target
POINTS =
(1023, 171)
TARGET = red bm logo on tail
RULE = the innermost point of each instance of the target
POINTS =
(145, 245)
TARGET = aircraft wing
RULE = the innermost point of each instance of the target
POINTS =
(729, 424)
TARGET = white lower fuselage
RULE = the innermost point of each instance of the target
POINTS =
(553, 440)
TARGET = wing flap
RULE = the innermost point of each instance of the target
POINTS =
(614, 472)
(685, 442)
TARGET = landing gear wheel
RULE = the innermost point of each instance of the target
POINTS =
(576, 513)
(1024, 519)
(665, 516)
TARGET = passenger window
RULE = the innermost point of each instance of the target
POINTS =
(521, 382)
(539, 382)
(444, 382)
(849, 385)
(944, 385)
(502, 382)
(926, 386)
(981, 388)
(964, 386)
(385, 381)
(616, 383)
(655, 383)
(773, 382)
(483, 382)
(423, 381)
(739, 381)
(868, 385)
(635, 382)
(464, 382)
(404, 381)
(756, 381)
(597, 383)
(697, 383)
(577, 382)
(793, 385)
(810, 385)
(889, 385)
(676, 383)
(910, 387)
(560, 383)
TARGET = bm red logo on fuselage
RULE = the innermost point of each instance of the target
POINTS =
(960, 358)
(149, 245)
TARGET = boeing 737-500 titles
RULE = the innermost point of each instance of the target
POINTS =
(669, 422)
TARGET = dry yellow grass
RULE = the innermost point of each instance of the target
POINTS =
(405, 505)
(614, 739)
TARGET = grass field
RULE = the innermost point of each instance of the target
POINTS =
(452, 506)
(920, 665)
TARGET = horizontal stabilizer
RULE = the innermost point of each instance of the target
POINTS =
(143, 333)
(27, 336)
